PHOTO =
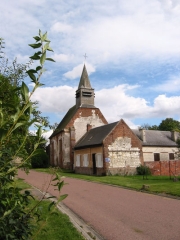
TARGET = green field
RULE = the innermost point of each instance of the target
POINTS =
(157, 184)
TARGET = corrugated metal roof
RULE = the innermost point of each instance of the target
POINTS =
(95, 136)
(156, 138)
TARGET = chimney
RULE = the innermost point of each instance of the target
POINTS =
(89, 127)
(143, 135)
(174, 135)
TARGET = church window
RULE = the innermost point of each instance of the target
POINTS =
(85, 160)
(78, 160)
(99, 160)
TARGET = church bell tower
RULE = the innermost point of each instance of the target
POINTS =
(85, 93)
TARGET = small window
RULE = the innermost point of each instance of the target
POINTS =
(156, 157)
(78, 160)
(171, 156)
(99, 160)
(85, 160)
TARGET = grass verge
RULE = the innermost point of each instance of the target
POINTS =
(157, 184)
(52, 225)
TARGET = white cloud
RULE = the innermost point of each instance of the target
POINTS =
(55, 99)
(62, 57)
(114, 103)
(47, 134)
(170, 86)
(61, 27)
(76, 71)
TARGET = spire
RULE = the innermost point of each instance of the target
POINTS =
(84, 80)
(84, 93)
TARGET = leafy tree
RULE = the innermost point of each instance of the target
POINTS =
(146, 126)
(16, 117)
(153, 127)
(169, 124)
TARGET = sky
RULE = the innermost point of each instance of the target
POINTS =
(132, 48)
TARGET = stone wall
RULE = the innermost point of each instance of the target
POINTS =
(123, 150)
(80, 123)
(164, 168)
(62, 156)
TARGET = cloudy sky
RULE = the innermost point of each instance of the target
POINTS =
(133, 50)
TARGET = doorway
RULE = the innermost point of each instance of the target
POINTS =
(94, 163)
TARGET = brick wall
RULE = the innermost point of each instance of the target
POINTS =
(121, 130)
(164, 168)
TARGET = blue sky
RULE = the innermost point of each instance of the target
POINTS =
(133, 50)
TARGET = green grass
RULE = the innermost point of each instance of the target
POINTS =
(157, 184)
(54, 225)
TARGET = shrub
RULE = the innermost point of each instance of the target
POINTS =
(143, 170)
(40, 161)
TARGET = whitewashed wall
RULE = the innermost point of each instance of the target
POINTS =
(121, 154)
(148, 153)
(80, 124)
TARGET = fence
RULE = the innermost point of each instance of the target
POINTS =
(164, 168)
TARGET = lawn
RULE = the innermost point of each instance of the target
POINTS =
(53, 225)
(157, 184)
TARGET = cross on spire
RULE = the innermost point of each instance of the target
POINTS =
(85, 56)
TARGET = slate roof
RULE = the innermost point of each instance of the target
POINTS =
(87, 106)
(65, 120)
(71, 112)
(95, 136)
(84, 80)
(156, 138)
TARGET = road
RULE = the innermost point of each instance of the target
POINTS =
(117, 213)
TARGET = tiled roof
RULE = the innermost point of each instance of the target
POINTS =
(95, 136)
(156, 138)
(65, 120)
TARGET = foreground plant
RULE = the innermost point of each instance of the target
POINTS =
(16, 117)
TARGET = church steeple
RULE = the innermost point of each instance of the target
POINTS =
(84, 80)
(84, 93)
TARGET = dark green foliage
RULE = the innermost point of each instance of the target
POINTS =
(169, 124)
(16, 116)
(143, 170)
(14, 220)
(40, 160)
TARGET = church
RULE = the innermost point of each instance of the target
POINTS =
(85, 143)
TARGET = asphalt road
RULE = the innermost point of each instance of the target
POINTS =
(117, 213)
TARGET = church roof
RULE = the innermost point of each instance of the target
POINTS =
(156, 138)
(95, 136)
(84, 80)
(65, 120)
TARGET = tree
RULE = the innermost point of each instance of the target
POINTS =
(169, 124)
(16, 117)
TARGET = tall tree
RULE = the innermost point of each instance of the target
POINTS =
(169, 124)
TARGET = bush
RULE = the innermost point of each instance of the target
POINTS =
(40, 161)
(143, 170)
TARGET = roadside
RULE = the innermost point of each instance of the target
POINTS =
(116, 213)
(158, 185)
(84, 229)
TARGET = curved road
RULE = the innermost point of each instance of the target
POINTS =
(117, 213)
